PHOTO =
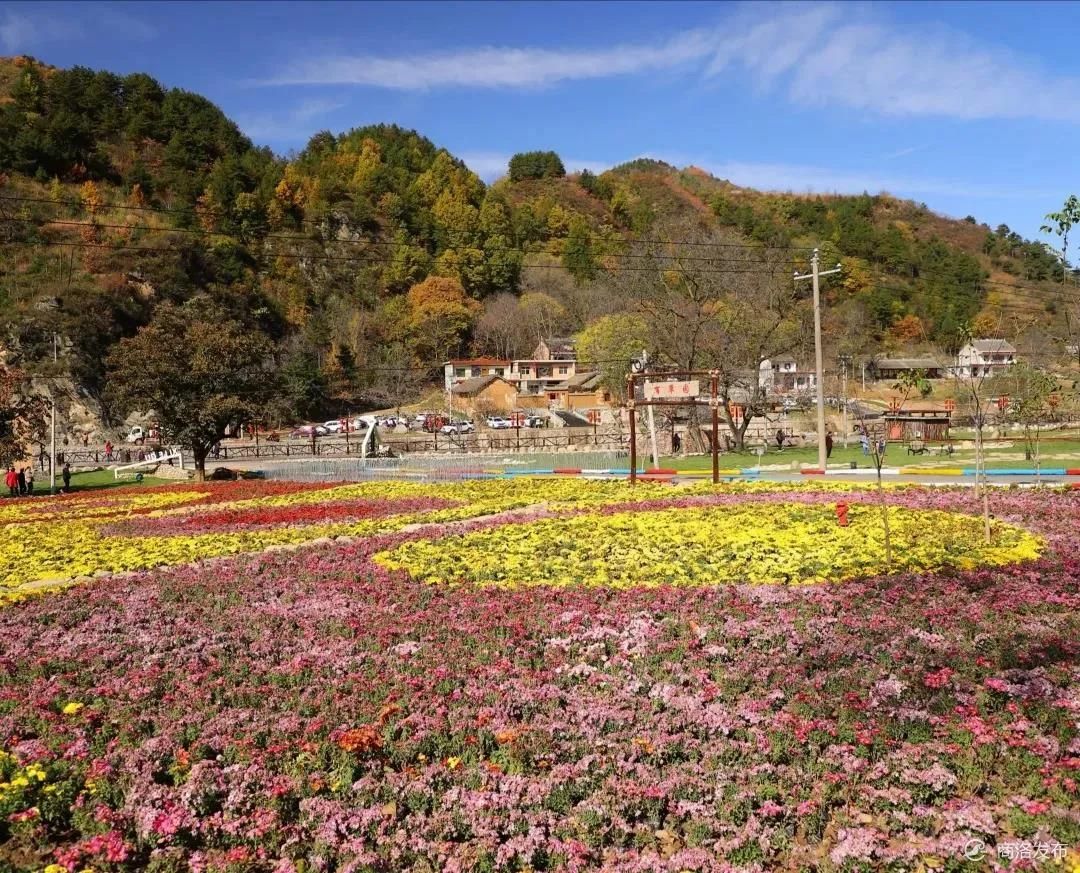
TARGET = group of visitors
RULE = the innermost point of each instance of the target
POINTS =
(20, 483)
(864, 441)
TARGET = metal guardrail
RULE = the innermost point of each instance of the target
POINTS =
(442, 467)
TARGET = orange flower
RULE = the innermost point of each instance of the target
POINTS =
(506, 736)
(360, 739)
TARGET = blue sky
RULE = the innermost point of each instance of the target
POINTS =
(971, 108)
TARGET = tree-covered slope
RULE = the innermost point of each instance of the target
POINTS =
(118, 194)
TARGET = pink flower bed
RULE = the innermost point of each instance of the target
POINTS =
(308, 711)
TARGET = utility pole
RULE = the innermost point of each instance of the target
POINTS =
(52, 423)
(652, 416)
(642, 365)
(843, 396)
(815, 274)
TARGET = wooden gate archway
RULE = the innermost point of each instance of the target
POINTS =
(675, 397)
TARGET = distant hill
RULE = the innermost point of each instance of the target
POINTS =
(120, 193)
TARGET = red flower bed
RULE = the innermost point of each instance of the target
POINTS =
(245, 518)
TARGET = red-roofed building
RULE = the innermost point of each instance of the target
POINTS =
(455, 371)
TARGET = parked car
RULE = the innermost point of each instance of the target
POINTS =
(333, 426)
(457, 427)
(498, 422)
(533, 421)
(305, 431)
(136, 435)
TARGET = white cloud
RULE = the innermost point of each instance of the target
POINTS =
(904, 152)
(783, 177)
(120, 23)
(497, 67)
(29, 28)
(289, 126)
(807, 178)
(816, 54)
(21, 32)
(848, 56)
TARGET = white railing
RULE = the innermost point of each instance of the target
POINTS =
(151, 460)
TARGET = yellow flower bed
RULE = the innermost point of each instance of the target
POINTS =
(20, 786)
(43, 555)
(502, 494)
(761, 543)
(63, 547)
(126, 501)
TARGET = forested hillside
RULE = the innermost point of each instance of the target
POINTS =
(119, 194)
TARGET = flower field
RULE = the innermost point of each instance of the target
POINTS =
(536, 675)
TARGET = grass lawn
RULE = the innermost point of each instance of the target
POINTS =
(92, 479)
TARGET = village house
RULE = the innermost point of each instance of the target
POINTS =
(918, 420)
(783, 374)
(894, 368)
(984, 357)
(484, 395)
(460, 369)
(581, 391)
(552, 362)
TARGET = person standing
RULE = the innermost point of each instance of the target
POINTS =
(779, 438)
(21, 481)
(30, 481)
(828, 444)
(864, 441)
(108, 451)
(12, 482)
(66, 474)
(676, 443)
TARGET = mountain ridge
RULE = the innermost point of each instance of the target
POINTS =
(149, 194)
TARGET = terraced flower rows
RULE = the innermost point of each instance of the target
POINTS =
(451, 685)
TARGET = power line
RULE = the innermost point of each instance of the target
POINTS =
(487, 250)
(383, 260)
(321, 223)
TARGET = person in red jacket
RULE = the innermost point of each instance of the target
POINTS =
(12, 480)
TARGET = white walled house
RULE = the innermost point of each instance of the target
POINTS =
(552, 363)
(783, 374)
(457, 371)
(984, 357)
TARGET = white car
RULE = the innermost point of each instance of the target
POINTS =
(305, 431)
(136, 436)
(333, 426)
(457, 427)
(497, 422)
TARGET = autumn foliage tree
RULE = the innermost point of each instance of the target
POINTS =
(197, 369)
(439, 314)
(609, 344)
